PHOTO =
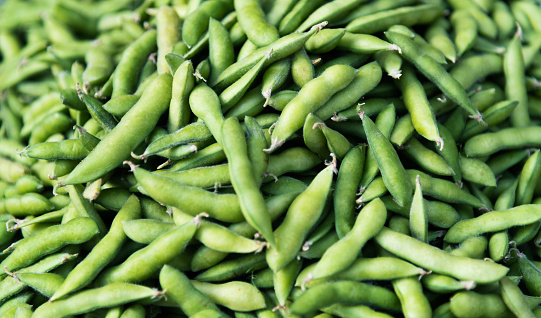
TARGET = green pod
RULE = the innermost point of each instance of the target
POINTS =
(312, 95)
(168, 25)
(433, 71)
(442, 284)
(102, 253)
(367, 78)
(314, 138)
(492, 115)
(196, 23)
(278, 10)
(45, 283)
(204, 177)
(328, 12)
(113, 294)
(295, 159)
(337, 143)
(427, 159)
(498, 245)
(472, 247)
(273, 78)
(50, 240)
(410, 293)
(422, 116)
(205, 104)
(493, 221)
(349, 176)
(233, 268)
(378, 268)
(144, 114)
(143, 263)
(281, 48)
(418, 214)
(505, 160)
(99, 65)
(232, 94)
(325, 294)
(515, 88)
(514, 298)
(228, 295)
(183, 83)
(440, 261)
(47, 127)
(325, 41)
(391, 62)
(251, 104)
(506, 138)
(131, 63)
(438, 37)
(181, 291)
(256, 143)
(72, 149)
(301, 216)
(408, 16)
(120, 105)
(26, 204)
(247, 48)
(530, 273)
(10, 285)
(212, 154)
(403, 130)
(302, 69)
(529, 177)
(465, 28)
(388, 163)
(244, 181)
(152, 229)
(297, 15)
(504, 19)
(473, 68)
(474, 170)
(252, 20)
(368, 223)
(37, 109)
(194, 132)
(225, 207)
(284, 280)
(70, 98)
(221, 51)
(444, 190)
(363, 43)
(342, 310)
(218, 237)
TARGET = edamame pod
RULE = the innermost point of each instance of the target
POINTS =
(122, 140)
(439, 261)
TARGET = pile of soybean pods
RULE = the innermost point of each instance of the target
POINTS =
(277, 158)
